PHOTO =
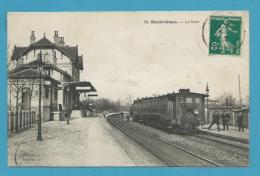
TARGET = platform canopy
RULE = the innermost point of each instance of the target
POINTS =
(81, 86)
(29, 73)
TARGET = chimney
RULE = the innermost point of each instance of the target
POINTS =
(56, 34)
(58, 40)
(62, 41)
(56, 37)
(32, 37)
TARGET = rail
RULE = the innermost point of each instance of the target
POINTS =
(220, 140)
(169, 153)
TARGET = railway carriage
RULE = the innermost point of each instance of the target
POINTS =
(180, 111)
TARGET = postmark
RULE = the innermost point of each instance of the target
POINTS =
(225, 35)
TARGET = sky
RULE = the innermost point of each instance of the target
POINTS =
(125, 54)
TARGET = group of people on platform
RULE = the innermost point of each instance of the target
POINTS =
(224, 116)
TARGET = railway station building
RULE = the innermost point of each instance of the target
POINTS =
(46, 74)
(214, 105)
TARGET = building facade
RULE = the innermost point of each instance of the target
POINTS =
(46, 74)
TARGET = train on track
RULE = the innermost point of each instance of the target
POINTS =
(179, 112)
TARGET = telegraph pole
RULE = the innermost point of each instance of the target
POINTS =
(207, 93)
(239, 90)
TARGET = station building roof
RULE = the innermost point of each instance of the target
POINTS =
(70, 51)
(35, 64)
(29, 73)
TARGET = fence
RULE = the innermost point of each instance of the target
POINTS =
(25, 119)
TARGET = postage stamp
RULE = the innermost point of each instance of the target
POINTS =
(225, 35)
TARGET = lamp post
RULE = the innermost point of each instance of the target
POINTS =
(39, 136)
(207, 93)
(66, 115)
(84, 105)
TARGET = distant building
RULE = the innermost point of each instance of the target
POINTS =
(58, 66)
(216, 102)
(214, 105)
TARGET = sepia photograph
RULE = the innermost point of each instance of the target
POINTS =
(153, 88)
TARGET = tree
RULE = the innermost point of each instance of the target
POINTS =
(10, 66)
(10, 63)
(227, 99)
(102, 104)
(16, 87)
(32, 84)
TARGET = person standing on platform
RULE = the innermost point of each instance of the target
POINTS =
(240, 118)
(225, 119)
(215, 120)
(122, 115)
(222, 116)
(127, 117)
(227, 116)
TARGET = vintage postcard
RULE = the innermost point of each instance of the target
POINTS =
(166, 88)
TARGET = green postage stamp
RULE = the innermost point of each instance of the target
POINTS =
(225, 35)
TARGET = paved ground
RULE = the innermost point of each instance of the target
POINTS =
(84, 142)
(232, 132)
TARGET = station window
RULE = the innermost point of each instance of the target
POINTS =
(56, 94)
(188, 100)
(46, 57)
(180, 99)
(55, 61)
(46, 92)
(197, 100)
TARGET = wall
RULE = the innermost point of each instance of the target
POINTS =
(62, 61)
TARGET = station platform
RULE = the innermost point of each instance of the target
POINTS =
(84, 142)
(231, 134)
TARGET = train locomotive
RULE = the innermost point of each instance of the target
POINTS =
(179, 112)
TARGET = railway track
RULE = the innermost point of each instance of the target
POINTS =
(168, 152)
(233, 149)
(227, 142)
